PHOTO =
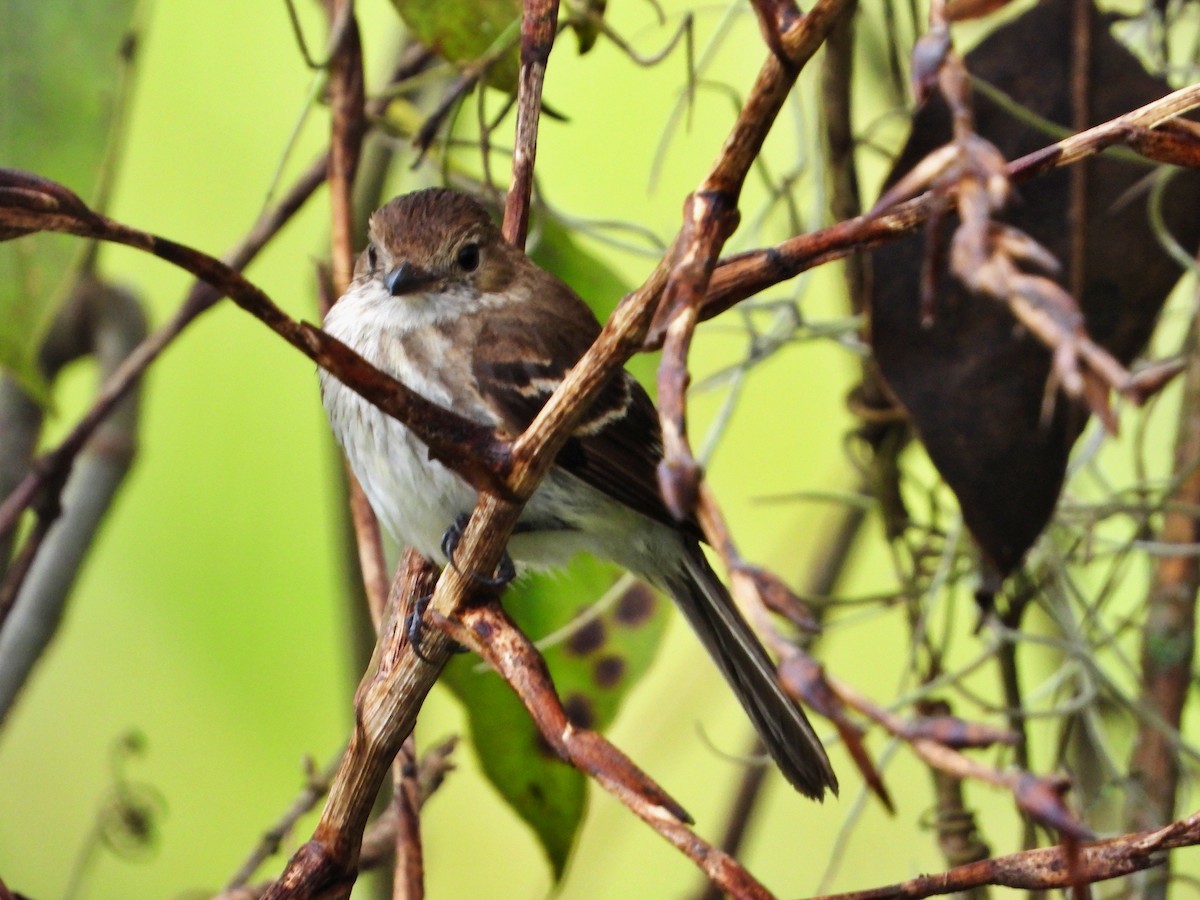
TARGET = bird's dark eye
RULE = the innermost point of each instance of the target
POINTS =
(468, 258)
(372, 257)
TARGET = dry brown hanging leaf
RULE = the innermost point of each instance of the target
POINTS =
(974, 382)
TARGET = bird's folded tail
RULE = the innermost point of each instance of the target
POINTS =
(744, 662)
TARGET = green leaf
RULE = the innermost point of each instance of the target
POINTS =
(59, 75)
(594, 665)
(462, 32)
(467, 30)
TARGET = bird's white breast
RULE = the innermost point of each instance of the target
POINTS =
(415, 498)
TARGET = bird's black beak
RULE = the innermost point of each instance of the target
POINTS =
(406, 278)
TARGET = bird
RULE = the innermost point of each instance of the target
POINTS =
(443, 303)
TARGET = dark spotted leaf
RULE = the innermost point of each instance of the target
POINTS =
(594, 665)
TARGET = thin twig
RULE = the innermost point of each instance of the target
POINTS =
(537, 39)
(348, 126)
(1046, 868)
(408, 875)
(710, 216)
(1168, 641)
(272, 839)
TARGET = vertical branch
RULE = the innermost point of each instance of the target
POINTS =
(957, 835)
(537, 39)
(408, 881)
(348, 125)
(711, 214)
(347, 129)
(1168, 642)
(837, 78)
(1081, 65)
(368, 184)
(883, 428)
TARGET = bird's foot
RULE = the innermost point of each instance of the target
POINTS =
(414, 626)
(505, 572)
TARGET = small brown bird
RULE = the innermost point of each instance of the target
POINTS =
(444, 304)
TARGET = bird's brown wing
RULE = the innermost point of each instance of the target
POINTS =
(618, 445)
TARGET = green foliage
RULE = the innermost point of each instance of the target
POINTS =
(600, 656)
(464, 32)
(59, 76)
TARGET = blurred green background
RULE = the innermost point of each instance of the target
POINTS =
(211, 617)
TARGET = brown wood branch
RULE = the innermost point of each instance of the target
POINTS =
(746, 274)
(1168, 641)
(799, 39)
(348, 125)
(537, 39)
(710, 216)
(837, 75)
(386, 705)
(408, 878)
(488, 630)
(1046, 868)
